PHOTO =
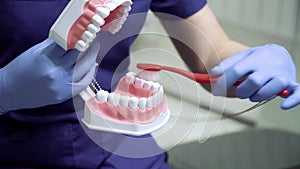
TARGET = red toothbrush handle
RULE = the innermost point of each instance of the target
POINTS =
(198, 77)
(283, 93)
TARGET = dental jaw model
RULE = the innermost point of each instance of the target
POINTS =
(136, 107)
(78, 24)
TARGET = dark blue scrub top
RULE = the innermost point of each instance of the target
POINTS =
(24, 23)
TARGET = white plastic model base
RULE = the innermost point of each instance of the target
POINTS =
(96, 122)
(78, 24)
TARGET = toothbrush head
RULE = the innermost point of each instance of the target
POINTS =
(148, 75)
(148, 71)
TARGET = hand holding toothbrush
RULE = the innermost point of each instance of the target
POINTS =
(268, 69)
(44, 75)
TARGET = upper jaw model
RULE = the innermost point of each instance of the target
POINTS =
(136, 107)
(78, 24)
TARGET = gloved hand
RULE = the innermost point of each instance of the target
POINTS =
(267, 70)
(43, 75)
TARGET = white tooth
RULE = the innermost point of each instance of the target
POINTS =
(87, 36)
(117, 97)
(103, 12)
(98, 21)
(131, 74)
(129, 8)
(93, 29)
(124, 16)
(117, 2)
(111, 6)
(122, 20)
(102, 95)
(161, 89)
(151, 83)
(133, 103)
(114, 30)
(124, 101)
(149, 103)
(113, 98)
(116, 26)
(159, 97)
(154, 99)
(110, 99)
(142, 103)
(81, 45)
(161, 93)
(138, 83)
(144, 81)
(129, 78)
(146, 85)
(155, 86)
(124, 9)
(127, 3)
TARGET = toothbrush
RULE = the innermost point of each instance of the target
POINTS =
(197, 77)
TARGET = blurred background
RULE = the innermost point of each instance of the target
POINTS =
(196, 136)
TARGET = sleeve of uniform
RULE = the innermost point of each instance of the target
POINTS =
(180, 8)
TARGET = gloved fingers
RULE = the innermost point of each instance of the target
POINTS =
(51, 49)
(63, 93)
(69, 58)
(84, 82)
(293, 100)
(81, 71)
(270, 89)
(85, 62)
(231, 76)
(91, 53)
(230, 62)
(251, 84)
(59, 56)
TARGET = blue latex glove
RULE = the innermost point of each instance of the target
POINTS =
(268, 70)
(43, 75)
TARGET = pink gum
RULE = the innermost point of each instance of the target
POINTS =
(81, 24)
(125, 114)
(129, 89)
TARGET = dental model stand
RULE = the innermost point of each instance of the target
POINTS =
(137, 107)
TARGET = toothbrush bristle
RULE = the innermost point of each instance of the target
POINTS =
(148, 75)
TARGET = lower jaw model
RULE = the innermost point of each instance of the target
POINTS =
(136, 107)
